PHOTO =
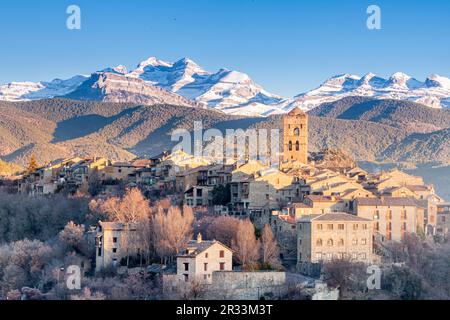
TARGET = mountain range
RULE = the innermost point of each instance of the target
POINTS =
(185, 83)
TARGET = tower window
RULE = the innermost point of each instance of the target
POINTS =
(290, 145)
(297, 146)
(297, 132)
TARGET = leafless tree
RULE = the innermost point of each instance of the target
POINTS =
(245, 245)
(269, 249)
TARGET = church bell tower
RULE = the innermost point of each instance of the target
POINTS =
(295, 137)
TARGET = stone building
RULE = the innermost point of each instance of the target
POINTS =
(113, 241)
(295, 138)
(443, 219)
(392, 216)
(331, 236)
(201, 258)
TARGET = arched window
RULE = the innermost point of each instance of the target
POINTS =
(290, 145)
(297, 146)
(296, 132)
(319, 242)
(341, 242)
(330, 242)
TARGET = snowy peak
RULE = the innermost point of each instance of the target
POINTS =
(154, 62)
(22, 91)
(120, 69)
(400, 80)
(435, 80)
(434, 92)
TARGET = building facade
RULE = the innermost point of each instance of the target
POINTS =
(334, 236)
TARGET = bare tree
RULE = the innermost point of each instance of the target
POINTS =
(221, 228)
(132, 207)
(172, 230)
(245, 245)
(269, 249)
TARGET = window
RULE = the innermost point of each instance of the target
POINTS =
(363, 256)
(290, 145)
(354, 256)
(114, 240)
(206, 255)
(222, 254)
(377, 226)
(186, 266)
(222, 266)
(389, 215)
(364, 226)
(319, 256)
(99, 252)
(319, 227)
(297, 132)
(205, 267)
(389, 226)
(319, 242)
(355, 242)
(376, 215)
(330, 242)
(355, 226)
(363, 241)
(329, 256)
(297, 146)
(186, 277)
(114, 250)
(341, 242)
(404, 226)
(340, 226)
(330, 227)
(404, 215)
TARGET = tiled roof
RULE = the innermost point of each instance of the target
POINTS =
(194, 247)
(320, 198)
(386, 201)
(417, 188)
(116, 225)
(335, 216)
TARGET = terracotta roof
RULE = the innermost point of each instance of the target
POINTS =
(386, 201)
(287, 218)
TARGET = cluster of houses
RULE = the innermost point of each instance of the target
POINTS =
(316, 213)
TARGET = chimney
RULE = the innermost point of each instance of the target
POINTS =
(199, 238)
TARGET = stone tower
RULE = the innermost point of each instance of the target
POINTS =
(295, 137)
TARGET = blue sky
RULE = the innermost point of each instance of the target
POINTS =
(286, 46)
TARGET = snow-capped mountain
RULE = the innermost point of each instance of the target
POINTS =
(20, 91)
(433, 92)
(233, 92)
(116, 87)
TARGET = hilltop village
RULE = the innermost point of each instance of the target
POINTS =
(317, 213)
